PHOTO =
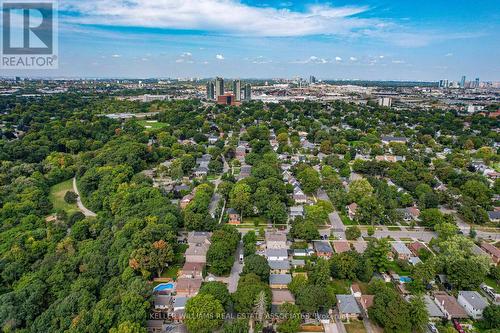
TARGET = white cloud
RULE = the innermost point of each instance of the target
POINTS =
(338, 59)
(398, 61)
(230, 16)
(219, 57)
(381, 56)
(353, 58)
(185, 57)
(449, 54)
(312, 60)
(116, 56)
(260, 60)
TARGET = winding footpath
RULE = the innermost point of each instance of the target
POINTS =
(87, 212)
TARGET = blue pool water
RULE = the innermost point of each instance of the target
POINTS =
(164, 287)
(404, 279)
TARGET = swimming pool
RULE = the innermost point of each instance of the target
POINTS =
(164, 287)
(404, 279)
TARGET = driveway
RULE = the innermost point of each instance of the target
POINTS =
(232, 282)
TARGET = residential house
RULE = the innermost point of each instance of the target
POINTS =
(492, 251)
(390, 139)
(296, 211)
(199, 237)
(340, 246)
(348, 307)
(155, 326)
(276, 254)
(186, 200)
(234, 216)
(179, 303)
(276, 240)
(432, 309)
(201, 172)
(298, 263)
(241, 153)
(323, 249)
(279, 266)
(279, 281)
(188, 287)
(192, 270)
(400, 251)
(449, 306)
(351, 210)
(197, 253)
(300, 253)
(494, 216)
(473, 303)
(415, 247)
(281, 296)
(162, 302)
(299, 196)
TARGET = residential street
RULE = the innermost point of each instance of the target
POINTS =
(234, 277)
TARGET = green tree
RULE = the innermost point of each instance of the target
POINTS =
(240, 198)
(418, 314)
(321, 273)
(491, 317)
(258, 265)
(359, 189)
(377, 252)
(292, 318)
(204, 314)
(128, 327)
(309, 178)
(218, 290)
(353, 233)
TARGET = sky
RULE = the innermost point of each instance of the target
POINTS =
(372, 40)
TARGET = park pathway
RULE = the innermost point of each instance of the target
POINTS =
(87, 212)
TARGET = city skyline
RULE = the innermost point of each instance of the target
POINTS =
(364, 40)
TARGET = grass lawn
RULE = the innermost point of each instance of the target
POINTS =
(152, 124)
(393, 228)
(405, 239)
(340, 286)
(492, 283)
(355, 326)
(393, 266)
(256, 220)
(56, 196)
(346, 220)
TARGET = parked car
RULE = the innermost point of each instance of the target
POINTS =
(458, 327)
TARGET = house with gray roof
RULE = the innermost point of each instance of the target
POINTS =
(432, 309)
(348, 307)
(276, 254)
(401, 251)
(473, 303)
(279, 266)
(279, 281)
(323, 249)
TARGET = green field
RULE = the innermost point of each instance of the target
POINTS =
(152, 124)
(346, 220)
(56, 196)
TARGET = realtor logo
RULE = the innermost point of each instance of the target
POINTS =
(29, 39)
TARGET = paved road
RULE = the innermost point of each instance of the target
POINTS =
(340, 324)
(331, 328)
(236, 270)
(87, 212)
(426, 236)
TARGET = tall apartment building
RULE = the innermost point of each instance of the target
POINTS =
(210, 90)
(219, 87)
(237, 90)
(248, 92)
